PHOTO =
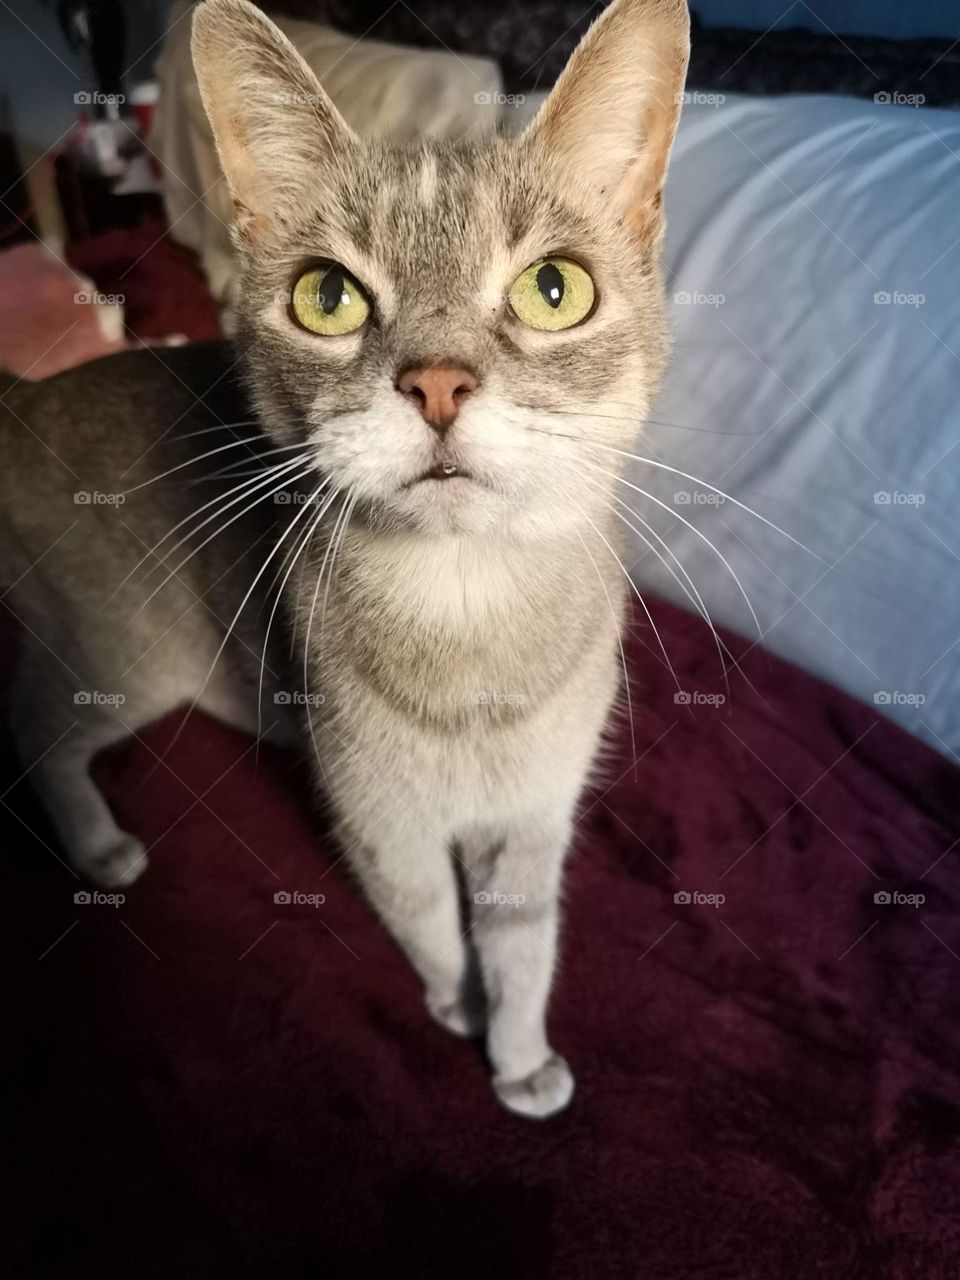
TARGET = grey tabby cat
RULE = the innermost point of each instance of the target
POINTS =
(445, 348)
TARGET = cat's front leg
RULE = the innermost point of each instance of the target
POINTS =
(513, 882)
(407, 874)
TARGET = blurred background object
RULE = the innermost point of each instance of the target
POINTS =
(51, 317)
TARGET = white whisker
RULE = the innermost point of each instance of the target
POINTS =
(299, 547)
(221, 426)
(285, 480)
(623, 656)
(345, 512)
(153, 551)
(639, 419)
(693, 596)
(234, 444)
(244, 489)
(695, 599)
(663, 466)
(257, 457)
(233, 621)
(693, 528)
(636, 592)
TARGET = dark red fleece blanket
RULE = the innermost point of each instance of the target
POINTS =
(208, 1082)
(759, 993)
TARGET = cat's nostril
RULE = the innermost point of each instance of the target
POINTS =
(438, 392)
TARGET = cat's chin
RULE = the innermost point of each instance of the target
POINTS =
(456, 504)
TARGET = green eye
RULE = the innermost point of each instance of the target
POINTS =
(552, 294)
(328, 301)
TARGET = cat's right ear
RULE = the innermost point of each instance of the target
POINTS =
(276, 130)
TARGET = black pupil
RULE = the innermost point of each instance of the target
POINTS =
(330, 291)
(550, 284)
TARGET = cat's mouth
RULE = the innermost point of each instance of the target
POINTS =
(439, 471)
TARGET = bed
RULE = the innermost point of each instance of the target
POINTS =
(758, 987)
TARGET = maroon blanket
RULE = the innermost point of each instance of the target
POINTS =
(210, 1082)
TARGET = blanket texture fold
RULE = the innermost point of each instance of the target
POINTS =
(758, 992)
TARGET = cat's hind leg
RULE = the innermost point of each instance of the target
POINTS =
(58, 730)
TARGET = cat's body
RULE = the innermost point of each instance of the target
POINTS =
(454, 592)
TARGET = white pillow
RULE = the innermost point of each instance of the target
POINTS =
(813, 254)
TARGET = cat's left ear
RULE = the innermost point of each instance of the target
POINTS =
(612, 115)
(278, 134)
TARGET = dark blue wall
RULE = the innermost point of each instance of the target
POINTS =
(896, 19)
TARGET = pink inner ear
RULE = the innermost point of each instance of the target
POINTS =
(640, 192)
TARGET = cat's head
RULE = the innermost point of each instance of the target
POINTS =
(446, 323)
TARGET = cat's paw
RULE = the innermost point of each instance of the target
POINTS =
(116, 866)
(461, 1017)
(542, 1093)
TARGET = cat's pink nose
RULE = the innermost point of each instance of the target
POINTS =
(438, 392)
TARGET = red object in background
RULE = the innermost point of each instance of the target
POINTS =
(143, 100)
(161, 282)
